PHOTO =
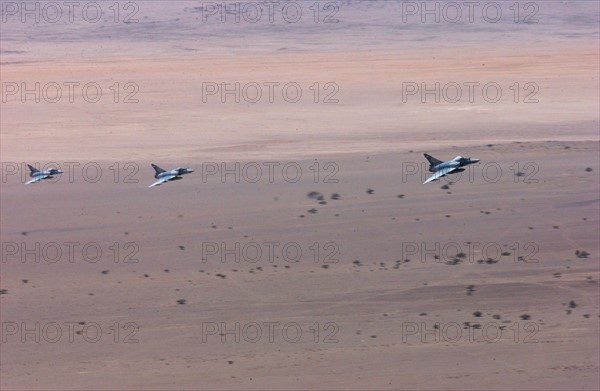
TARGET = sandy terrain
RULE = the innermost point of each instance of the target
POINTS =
(390, 270)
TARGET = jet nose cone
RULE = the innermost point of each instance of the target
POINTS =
(190, 170)
(473, 160)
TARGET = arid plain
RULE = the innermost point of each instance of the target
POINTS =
(350, 274)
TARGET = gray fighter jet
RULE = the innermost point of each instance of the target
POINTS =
(440, 168)
(39, 175)
(171, 175)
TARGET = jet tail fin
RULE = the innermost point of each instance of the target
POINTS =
(432, 161)
(157, 168)
(33, 169)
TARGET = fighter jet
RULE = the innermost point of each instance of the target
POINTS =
(441, 169)
(38, 175)
(171, 175)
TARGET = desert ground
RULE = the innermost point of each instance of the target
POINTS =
(304, 251)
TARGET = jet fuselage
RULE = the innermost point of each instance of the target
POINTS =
(177, 172)
(51, 171)
(457, 162)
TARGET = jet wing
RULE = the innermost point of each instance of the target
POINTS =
(162, 180)
(440, 173)
(37, 179)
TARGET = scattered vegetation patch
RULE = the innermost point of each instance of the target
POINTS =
(315, 195)
(489, 261)
(572, 304)
(454, 261)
